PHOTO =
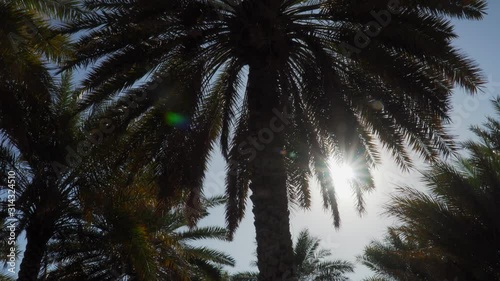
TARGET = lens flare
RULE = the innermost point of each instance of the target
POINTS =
(176, 120)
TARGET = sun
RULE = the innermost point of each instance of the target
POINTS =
(342, 175)
(342, 172)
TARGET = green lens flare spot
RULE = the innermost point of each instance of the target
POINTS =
(175, 119)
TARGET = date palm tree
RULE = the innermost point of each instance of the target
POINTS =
(117, 229)
(30, 107)
(72, 212)
(35, 128)
(28, 41)
(316, 77)
(451, 231)
(44, 150)
(400, 257)
(6, 246)
(131, 237)
(312, 263)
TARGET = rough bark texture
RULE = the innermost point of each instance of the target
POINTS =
(268, 182)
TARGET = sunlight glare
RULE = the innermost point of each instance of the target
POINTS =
(342, 175)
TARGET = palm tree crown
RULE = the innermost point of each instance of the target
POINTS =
(329, 94)
(312, 263)
(339, 74)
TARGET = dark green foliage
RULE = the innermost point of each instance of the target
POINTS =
(199, 49)
(304, 58)
(220, 68)
(452, 231)
(312, 261)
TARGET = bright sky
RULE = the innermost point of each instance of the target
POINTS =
(480, 40)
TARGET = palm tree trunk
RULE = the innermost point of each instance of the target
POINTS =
(38, 235)
(268, 180)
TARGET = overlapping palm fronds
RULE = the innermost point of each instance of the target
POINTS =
(341, 94)
(450, 232)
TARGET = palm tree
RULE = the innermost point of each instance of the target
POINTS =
(400, 257)
(452, 231)
(54, 202)
(27, 42)
(46, 126)
(316, 85)
(311, 263)
(30, 108)
(129, 237)
(47, 199)
(99, 218)
(5, 247)
(109, 224)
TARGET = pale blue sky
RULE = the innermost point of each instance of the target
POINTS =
(481, 41)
